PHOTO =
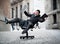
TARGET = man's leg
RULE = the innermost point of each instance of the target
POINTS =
(13, 20)
(27, 28)
(12, 24)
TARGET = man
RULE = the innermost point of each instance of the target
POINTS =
(29, 23)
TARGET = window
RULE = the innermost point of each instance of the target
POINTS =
(16, 12)
(12, 17)
(21, 11)
(54, 4)
(28, 6)
(12, 12)
(54, 8)
(54, 19)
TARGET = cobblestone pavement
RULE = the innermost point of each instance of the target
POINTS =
(42, 36)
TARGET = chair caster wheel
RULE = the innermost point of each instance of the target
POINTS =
(32, 37)
(22, 37)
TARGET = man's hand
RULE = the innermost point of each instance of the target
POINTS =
(44, 15)
(24, 11)
(27, 14)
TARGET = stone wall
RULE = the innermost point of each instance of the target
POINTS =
(4, 12)
(49, 10)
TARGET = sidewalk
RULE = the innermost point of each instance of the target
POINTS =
(42, 36)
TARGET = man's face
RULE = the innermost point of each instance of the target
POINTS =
(36, 13)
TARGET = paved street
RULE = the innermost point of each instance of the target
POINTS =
(42, 36)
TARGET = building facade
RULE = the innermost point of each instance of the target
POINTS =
(52, 8)
(4, 12)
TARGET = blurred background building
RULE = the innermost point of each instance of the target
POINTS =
(4, 12)
(52, 8)
(16, 8)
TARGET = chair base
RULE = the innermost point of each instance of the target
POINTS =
(26, 37)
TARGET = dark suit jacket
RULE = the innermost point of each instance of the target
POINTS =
(34, 19)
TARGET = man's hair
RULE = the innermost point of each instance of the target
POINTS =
(38, 11)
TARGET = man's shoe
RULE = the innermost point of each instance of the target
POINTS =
(6, 20)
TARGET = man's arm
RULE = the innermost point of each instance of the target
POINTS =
(42, 18)
(44, 15)
(27, 14)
